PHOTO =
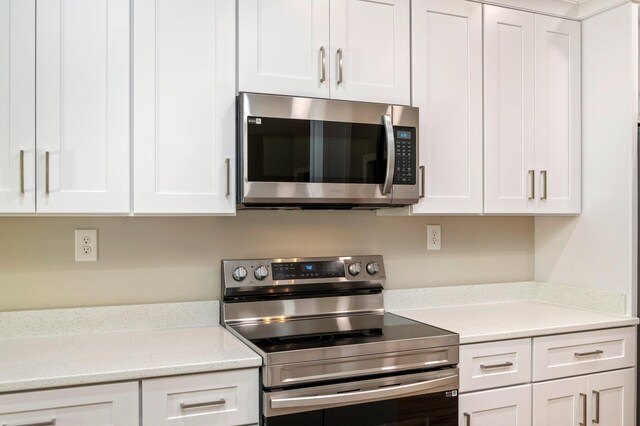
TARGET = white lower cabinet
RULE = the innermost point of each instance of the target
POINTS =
(563, 380)
(499, 407)
(605, 399)
(220, 398)
(104, 405)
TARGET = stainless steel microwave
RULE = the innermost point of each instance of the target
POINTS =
(318, 153)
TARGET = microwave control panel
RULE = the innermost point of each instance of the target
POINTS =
(405, 170)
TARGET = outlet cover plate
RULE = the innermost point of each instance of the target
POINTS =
(86, 245)
(434, 237)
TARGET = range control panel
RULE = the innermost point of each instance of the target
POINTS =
(293, 271)
(406, 156)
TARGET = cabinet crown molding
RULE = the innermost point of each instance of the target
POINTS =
(570, 9)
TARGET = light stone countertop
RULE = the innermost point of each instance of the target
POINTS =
(486, 322)
(66, 360)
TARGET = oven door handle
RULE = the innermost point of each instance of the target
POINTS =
(391, 154)
(363, 396)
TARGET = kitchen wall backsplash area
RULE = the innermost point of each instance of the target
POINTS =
(164, 259)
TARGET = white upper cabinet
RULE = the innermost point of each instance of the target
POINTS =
(370, 51)
(447, 88)
(17, 106)
(283, 47)
(184, 106)
(558, 116)
(82, 106)
(341, 49)
(532, 113)
(509, 111)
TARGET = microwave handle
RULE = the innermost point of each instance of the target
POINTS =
(391, 154)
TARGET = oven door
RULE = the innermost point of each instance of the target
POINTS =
(424, 399)
(315, 151)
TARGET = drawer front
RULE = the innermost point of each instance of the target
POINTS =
(583, 353)
(104, 405)
(221, 398)
(495, 364)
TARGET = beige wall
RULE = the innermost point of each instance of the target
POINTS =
(147, 260)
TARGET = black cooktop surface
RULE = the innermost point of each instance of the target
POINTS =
(293, 335)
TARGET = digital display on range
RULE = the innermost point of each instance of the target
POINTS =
(307, 270)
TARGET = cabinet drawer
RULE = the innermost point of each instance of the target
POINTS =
(583, 353)
(113, 405)
(221, 398)
(495, 364)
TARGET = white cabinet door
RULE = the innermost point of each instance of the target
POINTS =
(370, 50)
(104, 405)
(509, 110)
(447, 88)
(184, 106)
(500, 407)
(281, 46)
(557, 116)
(82, 106)
(612, 398)
(17, 106)
(560, 402)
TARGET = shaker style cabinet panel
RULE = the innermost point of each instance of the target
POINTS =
(370, 50)
(558, 116)
(283, 47)
(339, 49)
(17, 106)
(82, 106)
(104, 405)
(532, 113)
(509, 56)
(447, 88)
(605, 399)
(504, 407)
(184, 107)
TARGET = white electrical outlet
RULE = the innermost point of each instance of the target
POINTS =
(434, 237)
(86, 245)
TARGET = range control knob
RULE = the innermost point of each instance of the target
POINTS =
(355, 268)
(239, 273)
(373, 268)
(261, 272)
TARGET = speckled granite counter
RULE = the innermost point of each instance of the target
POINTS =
(78, 356)
(482, 313)
(510, 320)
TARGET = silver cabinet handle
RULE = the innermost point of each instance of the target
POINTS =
(391, 154)
(357, 396)
(596, 352)
(543, 173)
(491, 366)
(184, 406)
(597, 419)
(22, 171)
(532, 188)
(46, 172)
(467, 418)
(339, 52)
(584, 409)
(423, 178)
(51, 422)
(228, 164)
(323, 65)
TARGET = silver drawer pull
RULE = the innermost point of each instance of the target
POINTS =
(596, 352)
(51, 422)
(184, 406)
(490, 366)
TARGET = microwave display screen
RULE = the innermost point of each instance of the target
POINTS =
(290, 150)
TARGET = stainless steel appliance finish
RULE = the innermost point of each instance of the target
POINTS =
(286, 189)
(320, 327)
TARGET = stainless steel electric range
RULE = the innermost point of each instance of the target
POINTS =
(331, 354)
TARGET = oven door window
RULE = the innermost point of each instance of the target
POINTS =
(423, 410)
(288, 150)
